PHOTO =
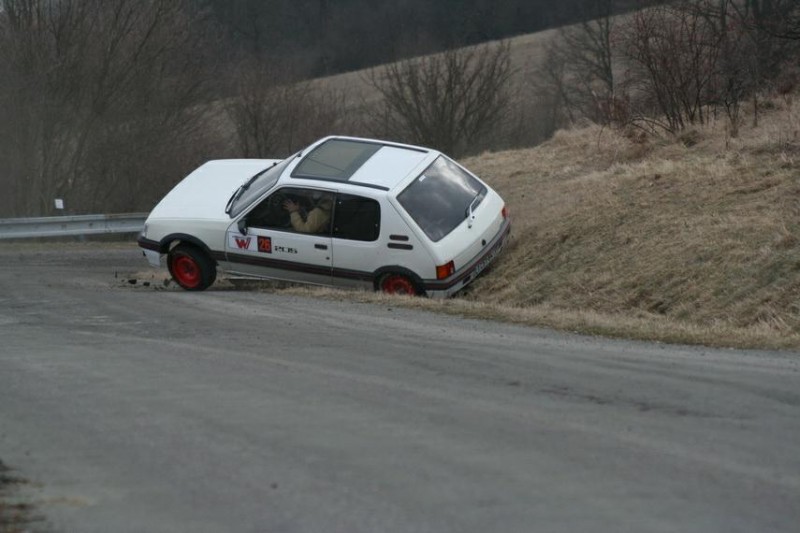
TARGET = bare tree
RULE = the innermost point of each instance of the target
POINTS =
(450, 101)
(675, 53)
(274, 114)
(87, 82)
(579, 66)
(791, 27)
(772, 29)
(549, 83)
(693, 57)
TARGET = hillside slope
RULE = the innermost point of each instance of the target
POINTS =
(691, 239)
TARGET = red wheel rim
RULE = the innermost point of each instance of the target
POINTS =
(398, 285)
(186, 271)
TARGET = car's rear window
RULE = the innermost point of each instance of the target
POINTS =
(439, 199)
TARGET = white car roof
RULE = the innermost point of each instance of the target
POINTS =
(359, 161)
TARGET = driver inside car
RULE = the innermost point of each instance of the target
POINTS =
(314, 221)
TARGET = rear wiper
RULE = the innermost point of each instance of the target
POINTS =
(471, 208)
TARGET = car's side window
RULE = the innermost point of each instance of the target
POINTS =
(294, 209)
(356, 218)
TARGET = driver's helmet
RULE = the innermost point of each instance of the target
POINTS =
(322, 200)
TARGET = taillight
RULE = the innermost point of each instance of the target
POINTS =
(505, 212)
(445, 271)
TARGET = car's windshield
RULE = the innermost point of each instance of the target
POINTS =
(440, 199)
(258, 185)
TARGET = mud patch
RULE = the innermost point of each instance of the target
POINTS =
(16, 514)
(161, 281)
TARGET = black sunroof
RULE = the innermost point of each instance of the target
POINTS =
(336, 159)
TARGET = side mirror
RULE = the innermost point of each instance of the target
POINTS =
(242, 225)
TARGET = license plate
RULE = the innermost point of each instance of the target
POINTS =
(485, 262)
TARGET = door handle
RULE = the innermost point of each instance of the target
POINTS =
(321, 246)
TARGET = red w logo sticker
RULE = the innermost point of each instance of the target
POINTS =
(243, 244)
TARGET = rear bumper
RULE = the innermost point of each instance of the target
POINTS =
(463, 277)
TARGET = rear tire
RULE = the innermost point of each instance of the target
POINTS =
(398, 284)
(191, 268)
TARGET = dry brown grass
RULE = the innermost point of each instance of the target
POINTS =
(706, 236)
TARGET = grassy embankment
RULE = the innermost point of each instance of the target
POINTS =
(693, 239)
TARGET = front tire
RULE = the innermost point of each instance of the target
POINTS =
(191, 268)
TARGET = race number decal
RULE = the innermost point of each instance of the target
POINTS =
(265, 245)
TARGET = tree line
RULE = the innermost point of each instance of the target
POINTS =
(107, 103)
(97, 101)
(326, 37)
(674, 66)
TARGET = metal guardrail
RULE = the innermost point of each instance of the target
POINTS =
(26, 228)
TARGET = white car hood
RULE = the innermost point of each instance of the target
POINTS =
(204, 193)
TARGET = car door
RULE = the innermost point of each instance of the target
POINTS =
(356, 247)
(286, 236)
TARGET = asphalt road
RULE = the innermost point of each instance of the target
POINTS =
(135, 409)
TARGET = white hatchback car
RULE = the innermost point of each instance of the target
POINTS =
(344, 211)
